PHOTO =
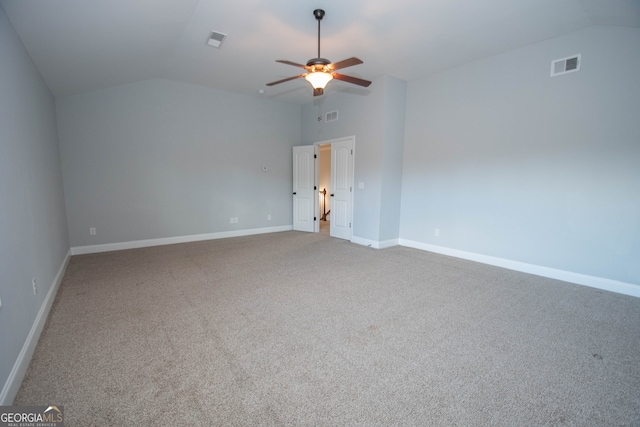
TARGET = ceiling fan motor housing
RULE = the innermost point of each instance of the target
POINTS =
(318, 62)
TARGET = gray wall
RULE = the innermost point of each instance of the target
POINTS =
(376, 117)
(511, 163)
(158, 159)
(392, 157)
(33, 228)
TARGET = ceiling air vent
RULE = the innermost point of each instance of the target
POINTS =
(216, 39)
(331, 116)
(566, 65)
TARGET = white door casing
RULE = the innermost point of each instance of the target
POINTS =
(304, 199)
(341, 189)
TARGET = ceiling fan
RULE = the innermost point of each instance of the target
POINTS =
(321, 71)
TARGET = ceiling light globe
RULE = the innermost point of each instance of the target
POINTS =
(318, 79)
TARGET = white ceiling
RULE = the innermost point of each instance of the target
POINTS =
(82, 45)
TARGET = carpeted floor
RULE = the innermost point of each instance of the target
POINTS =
(301, 329)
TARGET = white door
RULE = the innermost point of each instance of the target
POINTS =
(341, 189)
(304, 207)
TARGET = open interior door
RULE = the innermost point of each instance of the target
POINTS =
(341, 189)
(304, 199)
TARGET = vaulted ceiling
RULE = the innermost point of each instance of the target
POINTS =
(81, 45)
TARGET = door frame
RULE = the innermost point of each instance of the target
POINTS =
(317, 145)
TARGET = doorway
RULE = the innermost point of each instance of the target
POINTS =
(324, 188)
(337, 201)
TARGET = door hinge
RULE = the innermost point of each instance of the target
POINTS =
(352, 151)
(349, 225)
(314, 218)
(350, 189)
(315, 188)
(315, 156)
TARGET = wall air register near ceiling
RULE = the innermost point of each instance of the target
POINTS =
(331, 116)
(561, 66)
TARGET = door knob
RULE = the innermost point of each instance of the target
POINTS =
(332, 195)
(294, 192)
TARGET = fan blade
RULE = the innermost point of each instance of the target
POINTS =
(286, 80)
(295, 64)
(354, 80)
(345, 63)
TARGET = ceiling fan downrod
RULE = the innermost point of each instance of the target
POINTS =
(319, 14)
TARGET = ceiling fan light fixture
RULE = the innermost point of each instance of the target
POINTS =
(321, 71)
(318, 79)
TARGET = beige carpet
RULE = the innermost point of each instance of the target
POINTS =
(301, 329)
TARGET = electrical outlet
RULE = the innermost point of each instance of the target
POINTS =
(231, 220)
(92, 231)
(35, 286)
(268, 217)
(436, 232)
(235, 220)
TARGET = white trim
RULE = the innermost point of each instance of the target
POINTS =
(108, 247)
(552, 273)
(388, 243)
(374, 243)
(12, 385)
(365, 242)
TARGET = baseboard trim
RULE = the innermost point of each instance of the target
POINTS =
(364, 242)
(12, 385)
(388, 243)
(108, 247)
(552, 273)
(374, 243)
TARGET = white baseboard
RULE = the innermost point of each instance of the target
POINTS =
(108, 247)
(12, 385)
(364, 242)
(388, 243)
(552, 273)
(374, 243)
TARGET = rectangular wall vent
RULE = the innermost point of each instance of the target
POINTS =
(331, 116)
(570, 64)
(216, 39)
